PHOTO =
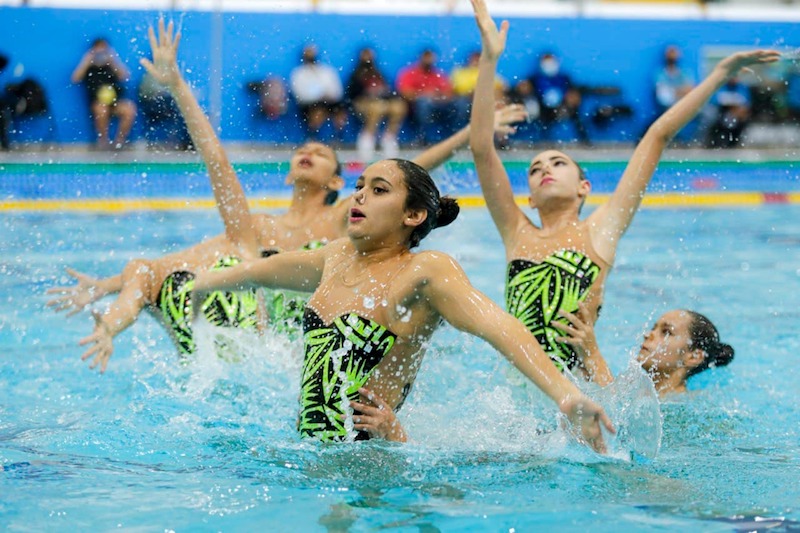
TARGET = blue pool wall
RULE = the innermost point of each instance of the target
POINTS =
(596, 51)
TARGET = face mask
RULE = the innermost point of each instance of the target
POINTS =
(549, 67)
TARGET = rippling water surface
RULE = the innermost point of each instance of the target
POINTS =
(153, 445)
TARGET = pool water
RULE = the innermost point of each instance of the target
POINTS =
(211, 446)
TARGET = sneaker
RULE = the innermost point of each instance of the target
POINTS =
(365, 146)
(390, 146)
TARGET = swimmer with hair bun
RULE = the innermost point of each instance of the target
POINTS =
(680, 345)
(376, 304)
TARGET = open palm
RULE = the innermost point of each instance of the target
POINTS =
(164, 67)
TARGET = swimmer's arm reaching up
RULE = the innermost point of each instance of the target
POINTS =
(228, 191)
(579, 333)
(496, 187)
(504, 119)
(609, 222)
(137, 281)
(86, 291)
(449, 292)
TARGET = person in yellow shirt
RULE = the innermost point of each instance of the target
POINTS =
(464, 79)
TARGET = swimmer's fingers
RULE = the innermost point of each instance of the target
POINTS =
(376, 400)
(508, 114)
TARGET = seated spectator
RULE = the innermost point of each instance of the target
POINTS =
(672, 82)
(6, 108)
(429, 92)
(733, 104)
(161, 111)
(373, 99)
(20, 97)
(273, 97)
(559, 99)
(103, 74)
(319, 94)
(464, 79)
(793, 96)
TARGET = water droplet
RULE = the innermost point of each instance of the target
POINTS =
(369, 302)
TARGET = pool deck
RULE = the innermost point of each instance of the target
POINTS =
(254, 153)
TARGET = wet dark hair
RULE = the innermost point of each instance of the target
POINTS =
(423, 194)
(704, 335)
(332, 196)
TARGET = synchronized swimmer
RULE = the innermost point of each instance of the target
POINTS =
(374, 302)
(555, 267)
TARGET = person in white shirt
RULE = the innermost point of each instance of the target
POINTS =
(318, 90)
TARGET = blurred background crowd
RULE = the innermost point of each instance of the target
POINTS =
(388, 94)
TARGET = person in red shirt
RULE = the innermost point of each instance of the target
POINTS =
(430, 94)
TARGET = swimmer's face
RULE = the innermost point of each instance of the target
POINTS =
(312, 163)
(553, 174)
(377, 210)
(665, 345)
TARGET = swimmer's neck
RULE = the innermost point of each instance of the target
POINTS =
(674, 383)
(368, 252)
(307, 198)
(554, 218)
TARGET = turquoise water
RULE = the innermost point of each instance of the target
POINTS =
(152, 445)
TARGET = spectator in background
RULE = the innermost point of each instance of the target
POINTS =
(464, 79)
(559, 99)
(733, 112)
(104, 75)
(273, 96)
(672, 82)
(160, 110)
(429, 92)
(6, 108)
(373, 99)
(20, 97)
(319, 94)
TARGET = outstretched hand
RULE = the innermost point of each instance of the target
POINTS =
(493, 40)
(376, 417)
(732, 64)
(164, 67)
(585, 416)
(506, 116)
(103, 345)
(76, 297)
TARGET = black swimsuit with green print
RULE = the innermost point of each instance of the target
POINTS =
(226, 309)
(339, 359)
(285, 308)
(536, 292)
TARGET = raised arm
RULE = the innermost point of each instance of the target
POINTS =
(137, 279)
(228, 192)
(80, 71)
(450, 293)
(86, 291)
(504, 119)
(492, 174)
(610, 221)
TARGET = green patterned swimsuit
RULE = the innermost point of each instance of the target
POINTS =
(536, 292)
(339, 359)
(226, 309)
(285, 308)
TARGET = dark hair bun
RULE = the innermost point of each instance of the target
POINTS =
(723, 355)
(448, 211)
